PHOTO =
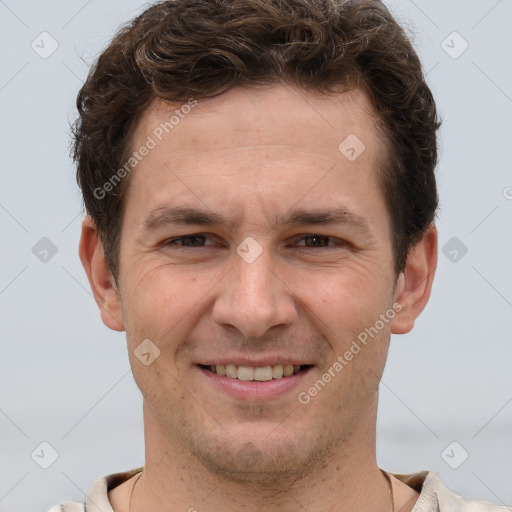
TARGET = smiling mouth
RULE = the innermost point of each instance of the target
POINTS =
(259, 373)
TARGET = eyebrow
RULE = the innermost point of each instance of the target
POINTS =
(182, 215)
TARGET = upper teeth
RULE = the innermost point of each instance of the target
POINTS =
(260, 373)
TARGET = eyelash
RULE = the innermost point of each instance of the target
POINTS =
(171, 242)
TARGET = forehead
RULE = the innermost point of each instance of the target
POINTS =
(252, 116)
(266, 146)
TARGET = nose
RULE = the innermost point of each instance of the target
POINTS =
(253, 298)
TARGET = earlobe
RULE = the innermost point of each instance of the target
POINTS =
(414, 285)
(100, 278)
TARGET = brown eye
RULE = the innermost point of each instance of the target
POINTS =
(188, 241)
(317, 241)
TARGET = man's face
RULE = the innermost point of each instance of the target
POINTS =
(272, 284)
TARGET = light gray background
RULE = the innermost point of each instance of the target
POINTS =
(66, 378)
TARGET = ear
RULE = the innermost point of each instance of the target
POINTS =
(414, 284)
(101, 280)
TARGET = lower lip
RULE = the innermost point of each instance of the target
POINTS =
(253, 389)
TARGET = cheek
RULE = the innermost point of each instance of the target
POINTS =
(352, 299)
(349, 316)
(157, 298)
(159, 386)
(162, 305)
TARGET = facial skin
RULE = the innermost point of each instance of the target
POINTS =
(252, 155)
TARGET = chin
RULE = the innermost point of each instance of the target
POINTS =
(266, 458)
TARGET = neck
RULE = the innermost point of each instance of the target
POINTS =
(345, 479)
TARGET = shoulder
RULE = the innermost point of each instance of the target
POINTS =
(435, 497)
(97, 499)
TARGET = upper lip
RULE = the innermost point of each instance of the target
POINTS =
(252, 362)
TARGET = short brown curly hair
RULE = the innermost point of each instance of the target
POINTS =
(181, 49)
